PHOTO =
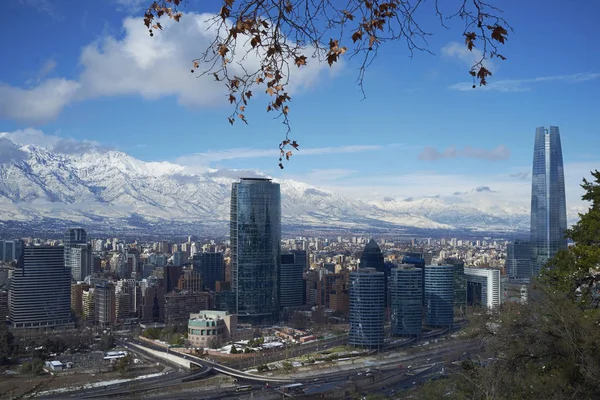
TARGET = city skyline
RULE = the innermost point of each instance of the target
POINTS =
(452, 140)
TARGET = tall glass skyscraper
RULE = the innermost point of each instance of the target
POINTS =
(40, 290)
(372, 257)
(73, 237)
(548, 203)
(255, 249)
(406, 287)
(367, 307)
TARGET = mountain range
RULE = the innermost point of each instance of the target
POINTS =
(110, 191)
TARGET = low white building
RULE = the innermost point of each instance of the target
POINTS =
(484, 287)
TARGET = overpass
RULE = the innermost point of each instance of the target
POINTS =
(192, 362)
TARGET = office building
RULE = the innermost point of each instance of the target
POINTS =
(518, 260)
(81, 261)
(484, 287)
(372, 257)
(367, 307)
(406, 303)
(548, 202)
(10, 250)
(439, 295)
(40, 290)
(418, 261)
(211, 267)
(460, 287)
(105, 304)
(255, 249)
(291, 279)
(73, 237)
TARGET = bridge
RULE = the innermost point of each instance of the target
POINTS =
(193, 362)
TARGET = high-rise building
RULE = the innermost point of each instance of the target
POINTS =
(10, 250)
(40, 290)
(105, 307)
(73, 237)
(418, 260)
(406, 302)
(255, 248)
(548, 203)
(291, 279)
(81, 261)
(460, 287)
(439, 295)
(484, 287)
(372, 257)
(518, 260)
(367, 307)
(211, 267)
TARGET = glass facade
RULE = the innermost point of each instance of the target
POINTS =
(548, 203)
(439, 295)
(460, 287)
(372, 257)
(211, 267)
(518, 260)
(406, 288)
(73, 237)
(40, 291)
(255, 249)
(291, 279)
(483, 287)
(367, 311)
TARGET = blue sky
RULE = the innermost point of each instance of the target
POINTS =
(88, 71)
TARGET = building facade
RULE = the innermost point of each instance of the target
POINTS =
(291, 279)
(255, 249)
(406, 303)
(372, 257)
(548, 202)
(211, 267)
(367, 307)
(518, 260)
(73, 237)
(10, 250)
(439, 295)
(40, 290)
(214, 328)
(484, 287)
(81, 261)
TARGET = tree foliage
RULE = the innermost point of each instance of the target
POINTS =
(575, 271)
(287, 34)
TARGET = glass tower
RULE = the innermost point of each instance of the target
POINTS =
(548, 204)
(73, 237)
(255, 249)
(372, 257)
(406, 287)
(211, 268)
(439, 295)
(40, 291)
(367, 311)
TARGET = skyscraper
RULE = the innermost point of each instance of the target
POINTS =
(73, 237)
(211, 267)
(548, 204)
(255, 248)
(367, 311)
(40, 290)
(439, 295)
(406, 300)
(372, 257)
(518, 259)
(291, 279)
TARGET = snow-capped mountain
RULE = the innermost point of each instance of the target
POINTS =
(110, 188)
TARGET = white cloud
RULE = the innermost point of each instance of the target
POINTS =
(39, 104)
(55, 143)
(466, 56)
(140, 65)
(524, 85)
(203, 161)
(499, 153)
